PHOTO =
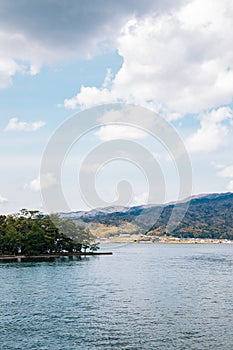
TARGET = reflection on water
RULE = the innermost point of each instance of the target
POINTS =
(26, 262)
(141, 297)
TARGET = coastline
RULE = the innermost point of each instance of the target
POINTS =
(143, 239)
(48, 256)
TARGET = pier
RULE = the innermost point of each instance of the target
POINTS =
(48, 256)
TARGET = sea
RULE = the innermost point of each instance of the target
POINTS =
(144, 296)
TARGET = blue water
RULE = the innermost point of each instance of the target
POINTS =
(141, 297)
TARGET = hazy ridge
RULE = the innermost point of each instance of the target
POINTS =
(208, 216)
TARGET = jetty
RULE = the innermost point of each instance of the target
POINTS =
(49, 256)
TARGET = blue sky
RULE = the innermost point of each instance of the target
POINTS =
(61, 58)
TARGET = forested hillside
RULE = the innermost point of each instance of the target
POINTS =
(208, 216)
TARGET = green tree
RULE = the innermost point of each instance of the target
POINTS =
(32, 233)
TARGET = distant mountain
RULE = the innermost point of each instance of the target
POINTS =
(208, 216)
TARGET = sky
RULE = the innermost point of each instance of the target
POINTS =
(60, 59)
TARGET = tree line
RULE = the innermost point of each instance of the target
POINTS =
(33, 233)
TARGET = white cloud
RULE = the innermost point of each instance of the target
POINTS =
(8, 68)
(230, 186)
(212, 132)
(115, 132)
(68, 30)
(90, 96)
(227, 172)
(34, 69)
(3, 200)
(41, 182)
(140, 199)
(33, 185)
(217, 165)
(181, 61)
(20, 53)
(15, 125)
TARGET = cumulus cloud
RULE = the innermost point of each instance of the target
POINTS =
(8, 68)
(44, 32)
(3, 200)
(180, 60)
(227, 172)
(41, 182)
(115, 132)
(212, 132)
(140, 199)
(33, 185)
(15, 125)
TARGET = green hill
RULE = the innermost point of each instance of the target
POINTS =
(208, 216)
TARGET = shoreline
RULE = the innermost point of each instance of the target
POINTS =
(162, 240)
(48, 256)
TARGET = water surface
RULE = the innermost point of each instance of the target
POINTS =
(141, 297)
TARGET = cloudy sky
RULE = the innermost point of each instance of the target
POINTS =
(58, 58)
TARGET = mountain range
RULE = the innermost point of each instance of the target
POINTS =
(206, 216)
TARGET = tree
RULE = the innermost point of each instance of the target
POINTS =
(94, 247)
(82, 237)
(33, 233)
